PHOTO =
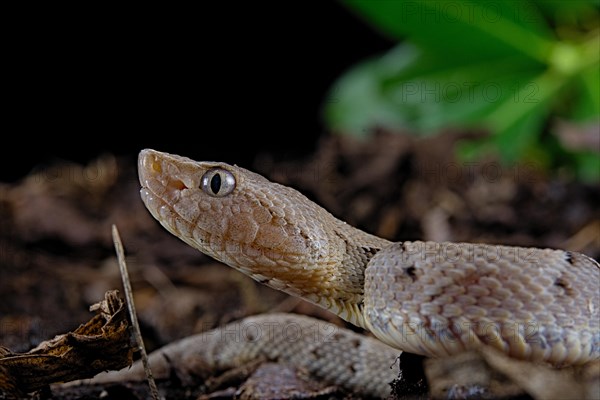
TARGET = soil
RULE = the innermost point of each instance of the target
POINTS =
(57, 256)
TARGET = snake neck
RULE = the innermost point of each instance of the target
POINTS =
(339, 280)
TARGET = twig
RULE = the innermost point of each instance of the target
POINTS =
(130, 305)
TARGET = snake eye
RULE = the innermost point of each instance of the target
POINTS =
(217, 182)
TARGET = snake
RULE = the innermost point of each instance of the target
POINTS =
(423, 297)
(330, 353)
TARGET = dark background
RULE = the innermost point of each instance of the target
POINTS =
(216, 83)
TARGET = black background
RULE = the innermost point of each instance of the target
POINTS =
(215, 83)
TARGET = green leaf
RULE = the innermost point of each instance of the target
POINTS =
(567, 12)
(588, 89)
(494, 63)
(588, 166)
(463, 28)
(410, 89)
(513, 143)
(517, 122)
(530, 97)
(357, 103)
(519, 138)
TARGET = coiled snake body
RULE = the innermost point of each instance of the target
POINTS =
(428, 298)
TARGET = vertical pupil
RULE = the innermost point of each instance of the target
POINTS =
(215, 183)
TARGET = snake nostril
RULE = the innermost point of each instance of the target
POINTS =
(177, 184)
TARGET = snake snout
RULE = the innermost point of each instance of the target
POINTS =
(152, 168)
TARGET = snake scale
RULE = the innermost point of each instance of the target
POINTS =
(329, 353)
(428, 298)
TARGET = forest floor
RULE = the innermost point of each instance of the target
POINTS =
(57, 256)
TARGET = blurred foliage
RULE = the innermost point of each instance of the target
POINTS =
(512, 67)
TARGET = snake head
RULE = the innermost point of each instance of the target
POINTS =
(236, 216)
